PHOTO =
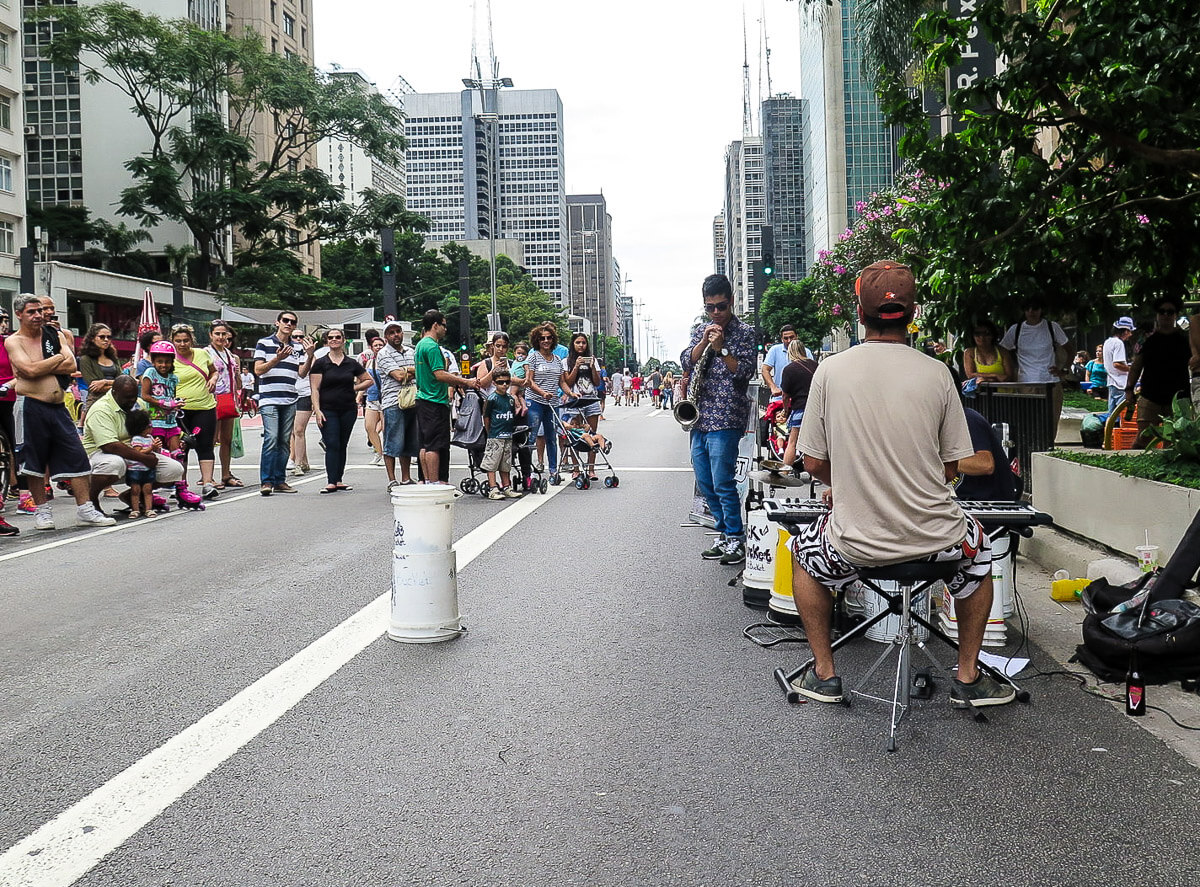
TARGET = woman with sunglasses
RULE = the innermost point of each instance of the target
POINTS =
(583, 375)
(337, 378)
(98, 359)
(229, 396)
(545, 374)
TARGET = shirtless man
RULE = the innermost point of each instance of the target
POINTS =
(43, 361)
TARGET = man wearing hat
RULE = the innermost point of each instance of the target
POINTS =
(397, 374)
(1115, 363)
(884, 429)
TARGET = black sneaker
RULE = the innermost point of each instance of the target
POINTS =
(716, 552)
(735, 553)
(985, 690)
(814, 688)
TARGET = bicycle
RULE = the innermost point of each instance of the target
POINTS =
(8, 459)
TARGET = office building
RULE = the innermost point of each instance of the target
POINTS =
(850, 151)
(286, 28)
(12, 153)
(745, 214)
(783, 125)
(449, 173)
(590, 288)
(625, 318)
(351, 168)
(720, 265)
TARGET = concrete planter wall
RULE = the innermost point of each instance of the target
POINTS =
(1116, 511)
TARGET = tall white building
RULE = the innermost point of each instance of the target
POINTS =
(350, 167)
(745, 214)
(449, 174)
(12, 152)
(720, 264)
(589, 236)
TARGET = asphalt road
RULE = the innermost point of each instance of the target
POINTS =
(603, 722)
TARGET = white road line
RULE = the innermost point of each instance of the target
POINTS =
(625, 469)
(68, 846)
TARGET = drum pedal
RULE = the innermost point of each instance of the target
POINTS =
(923, 684)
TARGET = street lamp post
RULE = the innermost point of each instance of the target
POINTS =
(489, 89)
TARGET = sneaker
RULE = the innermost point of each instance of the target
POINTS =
(495, 494)
(266, 490)
(208, 491)
(88, 515)
(985, 690)
(43, 520)
(290, 467)
(716, 552)
(813, 687)
(392, 484)
(377, 459)
(284, 488)
(25, 505)
(510, 493)
(7, 529)
(735, 553)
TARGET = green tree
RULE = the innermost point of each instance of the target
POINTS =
(278, 281)
(1082, 176)
(795, 302)
(522, 306)
(201, 94)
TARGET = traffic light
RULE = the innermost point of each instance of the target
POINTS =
(768, 263)
(464, 360)
(389, 262)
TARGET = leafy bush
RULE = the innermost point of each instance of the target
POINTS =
(1151, 465)
(1180, 433)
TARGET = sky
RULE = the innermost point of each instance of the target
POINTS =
(651, 93)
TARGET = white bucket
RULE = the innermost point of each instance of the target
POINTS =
(885, 630)
(1004, 589)
(424, 598)
(761, 537)
(424, 518)
(995, 633)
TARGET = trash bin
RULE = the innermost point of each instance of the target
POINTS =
(424, 572)
(1028, 410)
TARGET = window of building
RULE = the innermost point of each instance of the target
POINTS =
(5, 113)
(6, 174)
(274, 10)
(274, 46)
(304, 37)
(8, 238)
(5, 43)
(289, 25)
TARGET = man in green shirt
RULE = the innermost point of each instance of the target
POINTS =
(433, 398)
(106, 441)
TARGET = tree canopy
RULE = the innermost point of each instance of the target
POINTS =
(1076, 172)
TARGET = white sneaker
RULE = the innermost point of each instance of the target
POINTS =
(495, 493)
(377, 459)
(510, 493)
(88, 515)
(43, 520)
(291, 466)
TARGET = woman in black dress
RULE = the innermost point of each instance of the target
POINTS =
(336, 380)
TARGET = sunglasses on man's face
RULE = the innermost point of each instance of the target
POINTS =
(290, 321)
(714, 307)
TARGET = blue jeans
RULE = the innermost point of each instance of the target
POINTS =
(541, 420)
(1115, 396)
(714, 459)
(277, 422)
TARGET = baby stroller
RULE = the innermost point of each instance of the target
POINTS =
(522, 444)
(469, 434)
(573, 445)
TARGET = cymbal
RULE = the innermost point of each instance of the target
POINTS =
(773, 479)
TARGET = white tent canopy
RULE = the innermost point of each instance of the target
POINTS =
(266, 316)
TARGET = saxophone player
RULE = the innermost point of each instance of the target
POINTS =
(724, 411)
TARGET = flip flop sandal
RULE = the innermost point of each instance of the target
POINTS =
(328, 490)
(343, 487)
(232, 481)
(593, 477)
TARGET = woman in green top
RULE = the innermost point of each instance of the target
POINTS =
(197, 381)
(98, 359)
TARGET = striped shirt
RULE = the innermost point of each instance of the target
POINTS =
(546, 373)
(386, 361)
(277, 386)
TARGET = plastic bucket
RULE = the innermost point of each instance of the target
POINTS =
(1002, 576)
(423, 518)
(759, 571)
(884, 631)
(424, 598)
(995, 633)
(783, 603)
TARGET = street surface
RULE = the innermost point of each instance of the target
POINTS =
(603, 722)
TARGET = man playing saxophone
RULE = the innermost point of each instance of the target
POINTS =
(724, 411)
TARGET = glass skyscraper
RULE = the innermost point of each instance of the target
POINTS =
(783, 125)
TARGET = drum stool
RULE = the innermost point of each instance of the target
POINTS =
(915, 579)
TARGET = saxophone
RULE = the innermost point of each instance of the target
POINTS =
(686, 412)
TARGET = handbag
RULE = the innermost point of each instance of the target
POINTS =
(407, 398)
(227, 406)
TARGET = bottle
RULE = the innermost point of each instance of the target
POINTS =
(1135, 689)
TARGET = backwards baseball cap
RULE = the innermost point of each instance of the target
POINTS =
(1125, 323)
(886, 291)
(393, 323)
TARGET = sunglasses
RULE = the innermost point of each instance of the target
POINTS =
(290, 321)
(333, 338)
(103, 337)
(501, 381)
(715, 307)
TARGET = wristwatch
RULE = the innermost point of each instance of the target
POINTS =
(724, 352)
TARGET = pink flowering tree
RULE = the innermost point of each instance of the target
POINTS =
(881, 230)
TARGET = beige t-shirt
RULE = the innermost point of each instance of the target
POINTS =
(887, 417)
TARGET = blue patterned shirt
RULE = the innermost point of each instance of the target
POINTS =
(723, 402)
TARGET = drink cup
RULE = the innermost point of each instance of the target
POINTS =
(1147, 557)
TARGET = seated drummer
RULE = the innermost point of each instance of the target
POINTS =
(884, 429)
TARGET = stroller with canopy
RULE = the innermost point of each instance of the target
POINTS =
(469, 434)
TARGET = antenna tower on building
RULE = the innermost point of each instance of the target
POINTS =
(747, 110)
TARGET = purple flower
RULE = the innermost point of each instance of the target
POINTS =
(1143, 219)
(887, 210)
(839, 269)
(837, 310)
(860, 206)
